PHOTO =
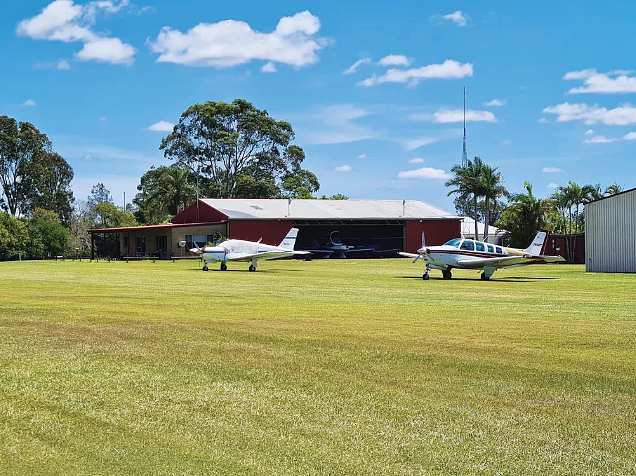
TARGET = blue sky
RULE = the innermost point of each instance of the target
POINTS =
(96, 76)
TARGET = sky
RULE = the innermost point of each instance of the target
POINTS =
(372, 89)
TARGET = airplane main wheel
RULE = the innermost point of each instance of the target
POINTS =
(223, 267)
(484, 277)
(252, 268)
(205, 267)
(446, 274)
(425, 277)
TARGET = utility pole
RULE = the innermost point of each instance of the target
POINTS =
(464, 153)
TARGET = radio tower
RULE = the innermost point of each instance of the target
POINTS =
(464, 154)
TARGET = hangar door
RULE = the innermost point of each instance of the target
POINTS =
(351, 238)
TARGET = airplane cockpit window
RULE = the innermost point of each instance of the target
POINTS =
(468, 245)
(490, 249)
(454, 242)
(499, 250)
(480, 246)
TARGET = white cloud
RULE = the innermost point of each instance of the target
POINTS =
(495, 103)
(600, 140)
(344, 168)
(543, 120)
(630, 136)
(553, 185)
(619, 116)
(457, 17)
(444, 116)
(29, 103)
(420, 142)
(362, 156)
(449, 69)
(552, 170)
(416, 160)
(230, 43)
(63, 65)
(612, 82)
(337, 124)
(424, 173)
(269, 67)
(395, 60)
(88, 157)
(161, 126)
(589, 132)
(103, 119)
(506, 142)
(354, 67)
(62, 20)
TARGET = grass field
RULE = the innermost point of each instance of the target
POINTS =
(323, 367)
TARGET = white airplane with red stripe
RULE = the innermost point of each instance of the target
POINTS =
(461, 253)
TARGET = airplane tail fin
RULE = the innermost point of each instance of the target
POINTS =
(537, 244)
(290, 239)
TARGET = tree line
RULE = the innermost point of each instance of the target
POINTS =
(480, 194)
(221, 150)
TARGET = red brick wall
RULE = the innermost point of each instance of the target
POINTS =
(437, 232)
(271, 231)
(206, 214)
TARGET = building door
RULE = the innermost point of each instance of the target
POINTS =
(161, 244)
(140, 245)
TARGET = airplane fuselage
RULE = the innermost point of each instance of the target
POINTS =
(229, 249)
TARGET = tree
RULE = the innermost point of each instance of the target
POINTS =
(613, 189)
(79, 223)
(49, 185)
(491, 185)
(300, 184)
(47, 235)
(523, 217)
(107, 215)
(224, 142)
(20, 144)
(337, 196)
(13, 237)
(468, 185)
(99, 194)
(164, 192)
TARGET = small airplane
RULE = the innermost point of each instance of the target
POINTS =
(471, 254)
(246, 251)
(335, 248)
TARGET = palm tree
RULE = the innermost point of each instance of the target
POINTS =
(174, 190)
(492, 189)
(524, 216)
(613, 189)
(467, 184)
(576, 196)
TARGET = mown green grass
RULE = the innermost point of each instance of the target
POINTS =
(323, 367)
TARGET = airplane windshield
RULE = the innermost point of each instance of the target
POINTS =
(454, 243)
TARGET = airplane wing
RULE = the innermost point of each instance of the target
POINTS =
(408, 255)
(266, 255)
(509, 261)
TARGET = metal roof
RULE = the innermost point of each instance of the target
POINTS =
(261, 209)
(468, 228)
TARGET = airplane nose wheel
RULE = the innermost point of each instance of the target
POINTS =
(425, 276)
(223, 267)
(205, 267)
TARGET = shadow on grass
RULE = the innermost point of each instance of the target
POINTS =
(518, 279)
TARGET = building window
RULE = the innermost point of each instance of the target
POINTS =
(200, 240)
(161, 243)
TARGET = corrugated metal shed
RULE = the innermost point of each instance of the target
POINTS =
(468, 231)
(610, 234)
(262, 209)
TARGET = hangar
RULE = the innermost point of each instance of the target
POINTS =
(610, 234)
(379, 225)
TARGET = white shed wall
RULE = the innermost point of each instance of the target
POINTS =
(610, 234)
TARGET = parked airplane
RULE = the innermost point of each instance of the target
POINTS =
(470, 254)
(335, 248)
(246, 251)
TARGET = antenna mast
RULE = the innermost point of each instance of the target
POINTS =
(464, 154)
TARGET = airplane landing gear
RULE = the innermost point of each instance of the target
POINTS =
(425, 277)
(223, 267)
(205, 267)
(484, 277)
(446, 274)
(252, 268)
